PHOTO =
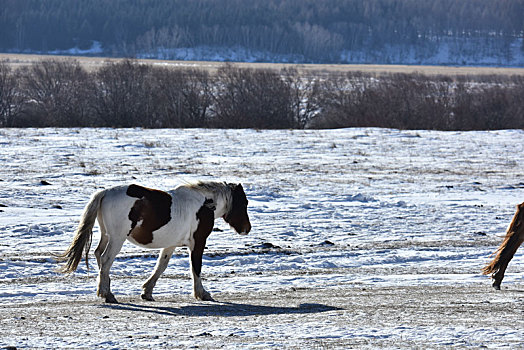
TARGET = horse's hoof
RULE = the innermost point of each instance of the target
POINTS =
(207, 297)
(496, 286)
(147, 297)
(204, 296)
(110, 299)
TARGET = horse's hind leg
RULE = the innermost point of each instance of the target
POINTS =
(106, 261)
(497, 277)
(104, 239)
(506, 256)
(161, 265)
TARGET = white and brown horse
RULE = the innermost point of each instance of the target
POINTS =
(508, 247)
(155, 219)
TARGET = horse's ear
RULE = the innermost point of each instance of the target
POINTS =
(234, 187)
(237, 188)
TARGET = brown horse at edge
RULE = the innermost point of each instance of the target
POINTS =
(508, 247)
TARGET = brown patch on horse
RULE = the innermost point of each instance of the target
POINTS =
(237, 216)
(206, 220)
(513, 239)
(153, 209)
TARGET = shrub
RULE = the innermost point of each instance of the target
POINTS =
(56, 93)
(130, 94)
(248, 98)
(10, 101)
(182, 97)
(123, 96)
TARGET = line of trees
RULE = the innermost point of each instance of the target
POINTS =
(414, 101)
(307, 30)
(129, 94)
(126, 93)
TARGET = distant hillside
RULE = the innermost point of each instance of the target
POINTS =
(457, 32)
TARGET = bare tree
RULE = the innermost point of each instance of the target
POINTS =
(182, 97)
(341, 101)
(304, 91)
(58, 93)
(10, 101)
(247, 98)
(124, 97)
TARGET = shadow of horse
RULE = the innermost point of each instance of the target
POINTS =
(225, 309)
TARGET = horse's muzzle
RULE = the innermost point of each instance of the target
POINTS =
(246, 230)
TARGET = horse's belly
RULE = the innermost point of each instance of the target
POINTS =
(165, 237)
(162, 220)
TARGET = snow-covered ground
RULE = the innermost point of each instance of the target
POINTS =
(334, 210)
(448, 51)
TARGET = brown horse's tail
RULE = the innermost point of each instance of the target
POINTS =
(508, 247)
(83, 236)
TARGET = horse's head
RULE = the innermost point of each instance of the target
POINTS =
(237, 216)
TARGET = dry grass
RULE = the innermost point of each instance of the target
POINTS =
(92, 63)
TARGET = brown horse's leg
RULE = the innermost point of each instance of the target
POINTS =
(506, 255)
(513, 239)
(206, 220)
(497, 277)
(196, 266)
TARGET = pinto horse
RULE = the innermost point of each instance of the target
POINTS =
(156, 219)
(508, 247)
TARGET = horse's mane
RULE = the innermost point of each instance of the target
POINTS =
(210, 186)
(217, 189)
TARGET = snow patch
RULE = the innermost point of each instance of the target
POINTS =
(392, 220)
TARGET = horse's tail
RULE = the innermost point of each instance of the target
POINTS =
(83, 235)
(508, 247)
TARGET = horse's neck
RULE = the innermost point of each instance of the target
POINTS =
(220, 195)
(222, 205)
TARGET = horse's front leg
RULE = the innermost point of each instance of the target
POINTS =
(161, 265)
(196, 267)
(206, 219)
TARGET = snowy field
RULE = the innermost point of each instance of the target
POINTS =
(362, 238)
